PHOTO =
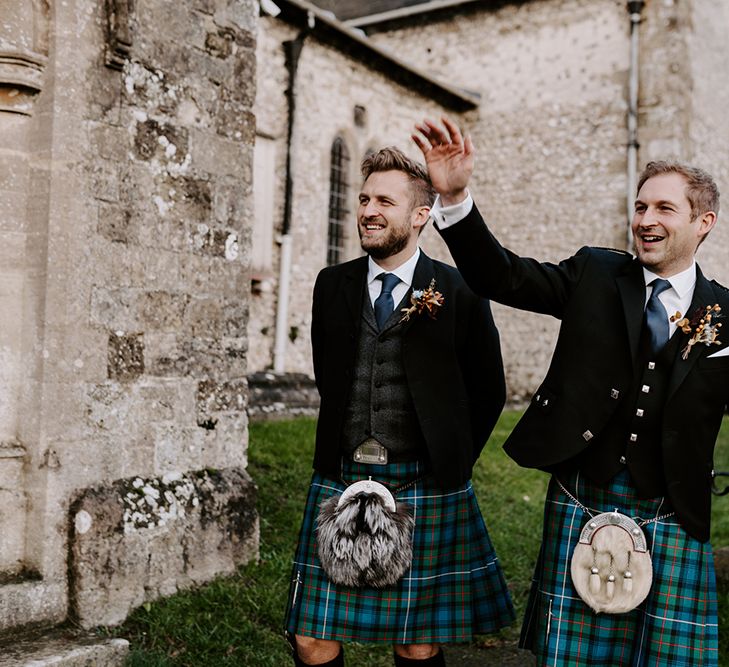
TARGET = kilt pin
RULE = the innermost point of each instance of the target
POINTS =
(455, 587)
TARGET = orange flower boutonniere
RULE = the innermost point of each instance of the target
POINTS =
(423, 300)
(703, 327)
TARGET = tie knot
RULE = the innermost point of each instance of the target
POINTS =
(659, 285)
(389, 281)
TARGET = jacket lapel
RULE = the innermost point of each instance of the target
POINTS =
(631, 286)
(703, 296)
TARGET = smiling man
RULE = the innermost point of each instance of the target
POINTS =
(408, 366)
(625, 420)
(674, 212)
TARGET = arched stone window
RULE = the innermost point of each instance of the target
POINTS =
(338, 209)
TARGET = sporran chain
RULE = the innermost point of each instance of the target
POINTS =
(638, 520)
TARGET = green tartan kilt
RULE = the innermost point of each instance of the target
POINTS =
(676, 626)
(454, 589)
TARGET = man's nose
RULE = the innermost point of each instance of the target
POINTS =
(370, 210)
(649, 218)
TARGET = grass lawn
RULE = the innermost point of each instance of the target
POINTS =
(238, 620)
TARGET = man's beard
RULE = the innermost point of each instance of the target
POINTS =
(392, 244)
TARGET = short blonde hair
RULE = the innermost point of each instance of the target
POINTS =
(393, 159)
(701, 190)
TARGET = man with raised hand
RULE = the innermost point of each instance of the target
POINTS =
(625, 420)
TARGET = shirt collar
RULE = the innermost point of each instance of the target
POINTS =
(682, 283)
(405, 271)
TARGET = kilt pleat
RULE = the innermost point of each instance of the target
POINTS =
(677, 624)
(455, 587)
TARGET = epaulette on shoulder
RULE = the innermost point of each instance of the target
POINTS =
(615, 250)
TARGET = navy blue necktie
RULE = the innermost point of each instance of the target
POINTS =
(656, 317)
(384, 305)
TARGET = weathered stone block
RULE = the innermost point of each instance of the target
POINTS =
(31, 601)
(160, 139)
(161, 310)
(192, 199)
(64, 651)
(220, 43)
(227, 441)
(232, 120)
(215, 242)
(226, 396)
(176, 355)
(152, 88)
(236, 317)
(114, 222)
(230, 204)
(105, 178)
(244, 70)
(13, 505)
(109, 141)
(204, 317)
(113, 308)
(158, 267)
(139, 538)
(125, 358)
(240, 15)
(176, 447)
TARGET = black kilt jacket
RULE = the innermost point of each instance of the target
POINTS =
(453, 365)
(599, 296)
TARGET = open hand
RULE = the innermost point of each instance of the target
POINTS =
(449, 158)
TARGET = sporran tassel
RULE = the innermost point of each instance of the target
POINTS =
(594, 580)
(611, 587)
(628, 581)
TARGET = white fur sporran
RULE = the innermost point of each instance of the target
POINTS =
(364, 537)
(611, 567)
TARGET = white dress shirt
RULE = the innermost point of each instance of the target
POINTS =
(446, 216)
(405, 272)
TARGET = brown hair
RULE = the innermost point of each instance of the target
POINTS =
(393, 159)
(701, 190)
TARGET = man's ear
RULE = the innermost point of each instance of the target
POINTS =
(420, 216)
(706, 223)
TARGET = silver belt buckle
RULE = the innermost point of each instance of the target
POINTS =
(370, 451)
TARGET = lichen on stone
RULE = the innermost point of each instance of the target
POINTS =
(150, 503)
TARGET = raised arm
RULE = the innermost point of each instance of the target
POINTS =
(489, 269)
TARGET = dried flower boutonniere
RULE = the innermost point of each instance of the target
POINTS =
(703, 327)
(427, 300)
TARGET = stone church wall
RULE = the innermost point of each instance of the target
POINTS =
(124, 302)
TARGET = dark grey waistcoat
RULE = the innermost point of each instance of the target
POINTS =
(380, 405)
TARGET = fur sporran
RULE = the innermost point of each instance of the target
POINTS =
(364, 539)
(611, 567)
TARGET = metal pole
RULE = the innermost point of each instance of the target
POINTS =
(292, 50)
(634, 9)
